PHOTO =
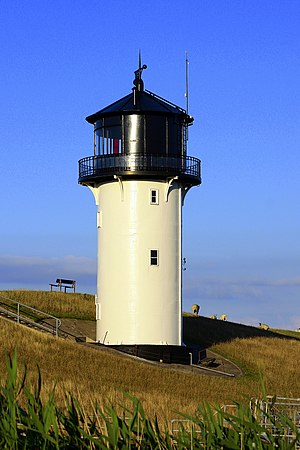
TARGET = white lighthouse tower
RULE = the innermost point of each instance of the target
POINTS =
(139, 175)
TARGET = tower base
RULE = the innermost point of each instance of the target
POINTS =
(168, 354)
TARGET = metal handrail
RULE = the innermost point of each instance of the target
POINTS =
(103, 164)
(265, 411)
(21, 317)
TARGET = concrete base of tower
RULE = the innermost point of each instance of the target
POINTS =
(168, 354)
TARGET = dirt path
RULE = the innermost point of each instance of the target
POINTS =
(79, 328)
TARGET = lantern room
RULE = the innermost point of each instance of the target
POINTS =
(141, 134)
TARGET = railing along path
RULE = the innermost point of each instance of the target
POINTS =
(28, 315)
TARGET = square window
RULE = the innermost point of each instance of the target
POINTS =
(153, 257)
(154, 196)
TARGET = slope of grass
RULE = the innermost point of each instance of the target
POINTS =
(275, 361)
(207, 332)
(59, 304)
(39, 423)
(106, 375)
(289, 333)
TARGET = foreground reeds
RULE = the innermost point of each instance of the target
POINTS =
(41, 424)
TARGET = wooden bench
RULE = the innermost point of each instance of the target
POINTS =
(61, 283)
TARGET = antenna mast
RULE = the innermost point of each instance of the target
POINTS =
(187, 80)
(187, 91)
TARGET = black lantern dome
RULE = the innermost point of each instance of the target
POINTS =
(141, 135)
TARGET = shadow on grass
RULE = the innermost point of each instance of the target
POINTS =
(198, 330)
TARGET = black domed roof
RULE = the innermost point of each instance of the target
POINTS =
(140, 101)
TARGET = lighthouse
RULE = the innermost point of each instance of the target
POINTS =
(139, 174)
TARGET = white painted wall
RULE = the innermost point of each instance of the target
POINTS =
(138, 303)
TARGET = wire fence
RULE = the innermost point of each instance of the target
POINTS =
(279, 416)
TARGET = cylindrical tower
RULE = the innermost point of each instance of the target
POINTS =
(139, 175)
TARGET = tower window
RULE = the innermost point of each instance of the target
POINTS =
(154, 196)
(153, 257)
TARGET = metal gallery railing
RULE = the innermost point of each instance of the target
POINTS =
(105, 164)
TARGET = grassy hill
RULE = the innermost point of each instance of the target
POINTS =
(208, 332)
(75, 306)
(105, 375)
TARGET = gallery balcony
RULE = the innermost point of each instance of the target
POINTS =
(104, 167)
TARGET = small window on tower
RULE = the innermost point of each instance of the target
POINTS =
(153, 257)
(154, 196)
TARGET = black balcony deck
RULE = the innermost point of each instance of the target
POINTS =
(96, 168)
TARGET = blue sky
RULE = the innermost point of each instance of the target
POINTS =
(61, 61)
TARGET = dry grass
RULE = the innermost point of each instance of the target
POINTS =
(29, 421)
(104, 375)
(275, 360)
(75, 306)
(294, 334)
